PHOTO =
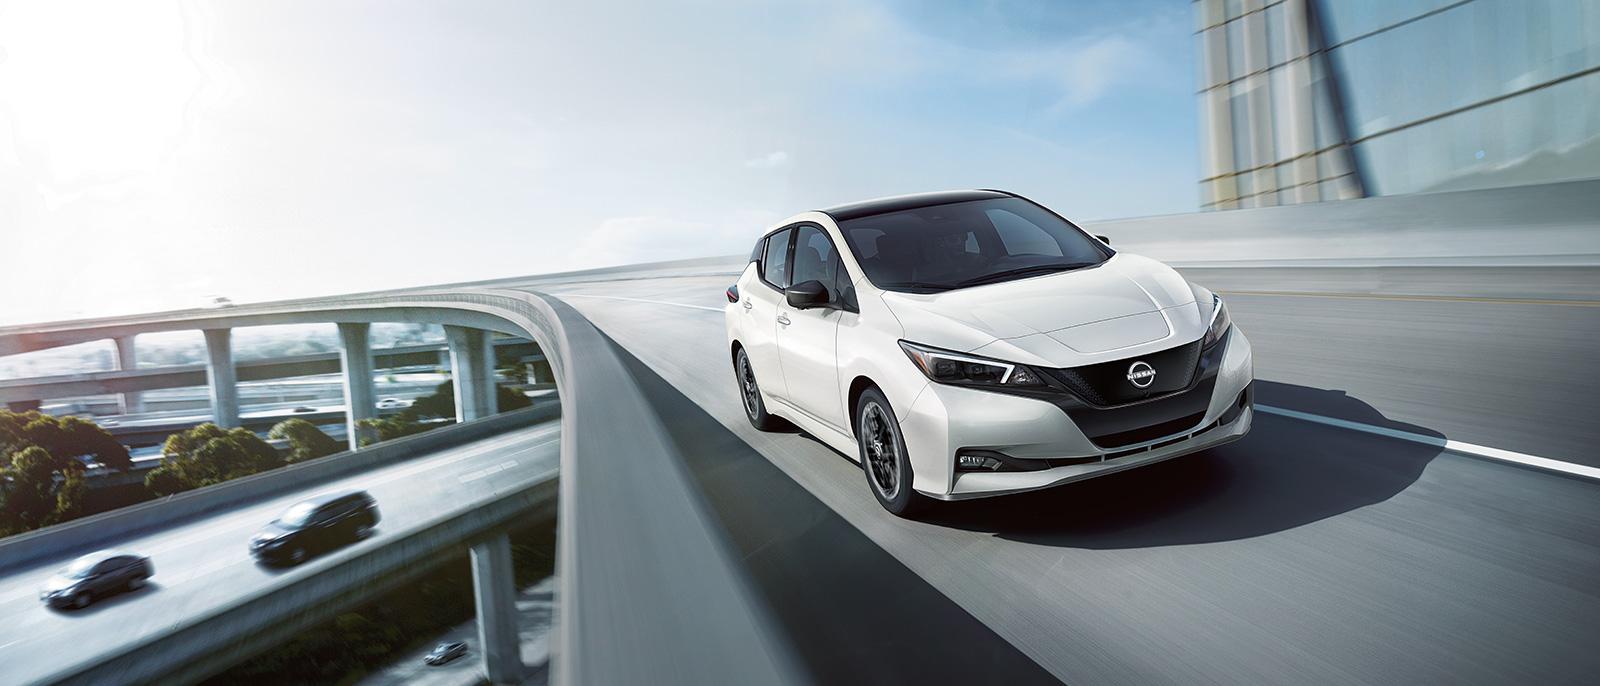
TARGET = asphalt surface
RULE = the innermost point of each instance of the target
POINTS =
(203, 563)
(1301, 554)
(535, 612)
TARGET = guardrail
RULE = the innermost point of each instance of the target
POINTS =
(623, 498)
(198, 646)
(1549, 225)
(88, 532)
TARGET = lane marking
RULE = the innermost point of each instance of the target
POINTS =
(1419, 298)
(1472, 449)
(637, 300)
(490, 470)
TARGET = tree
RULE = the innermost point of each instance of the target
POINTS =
(209, 454)
(388, 428)
(64, 438)
(30, 496)
(442, 402)
(306, 441)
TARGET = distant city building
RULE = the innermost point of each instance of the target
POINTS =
(1308, 100)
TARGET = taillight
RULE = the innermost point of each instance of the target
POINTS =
(733, 293)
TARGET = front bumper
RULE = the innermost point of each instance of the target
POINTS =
(945, 421)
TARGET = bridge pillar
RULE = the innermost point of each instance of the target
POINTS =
(132, 402)
(472, 371)
(222, 378)
(494, 586)
(355, 359)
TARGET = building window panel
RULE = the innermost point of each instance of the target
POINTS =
(1234, 31)
(1277, 36)
(1511, 142)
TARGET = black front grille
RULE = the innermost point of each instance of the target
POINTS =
(1149, 433)
(1107, 383)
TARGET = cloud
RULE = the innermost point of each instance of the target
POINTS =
(771, 160)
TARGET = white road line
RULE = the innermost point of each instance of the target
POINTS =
(637, 300)
(486, 471)
(1471, 449)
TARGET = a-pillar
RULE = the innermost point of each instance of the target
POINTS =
(132, 402)
(494, 587)
(222, 378)
(355, 358)
(472, 371)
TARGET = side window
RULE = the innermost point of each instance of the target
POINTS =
(1022, 237)
(814, 258)
(775, 264)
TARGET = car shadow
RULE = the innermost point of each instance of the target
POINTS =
(107, 602)
(1286, 473)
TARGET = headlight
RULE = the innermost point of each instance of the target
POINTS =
(947, 367)
(1219, 322)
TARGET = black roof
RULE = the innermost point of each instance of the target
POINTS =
(325, 498)
(867, 208)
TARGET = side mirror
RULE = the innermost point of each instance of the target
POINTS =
(806, 295)
(1103, 239)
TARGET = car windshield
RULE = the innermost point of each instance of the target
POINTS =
(299, 515)
(957, 245)
(81, 567)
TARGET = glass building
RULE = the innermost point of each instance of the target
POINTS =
(1307, 100)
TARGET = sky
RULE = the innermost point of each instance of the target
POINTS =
(156, 154)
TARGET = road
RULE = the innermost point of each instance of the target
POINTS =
(1302, 554)
(535, 612)
(203, 563)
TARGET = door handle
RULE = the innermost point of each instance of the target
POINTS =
(783, 319)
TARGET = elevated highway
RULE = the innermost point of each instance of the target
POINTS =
(1358, 535)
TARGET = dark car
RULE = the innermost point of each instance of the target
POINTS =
(446, 652)
(311, 526)
(304, 408)
(96, 575)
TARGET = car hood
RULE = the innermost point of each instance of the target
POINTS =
(272, 530)
(1126, 301)
(59, 583)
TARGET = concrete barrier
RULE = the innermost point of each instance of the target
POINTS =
(89, 532)
(1549, 225)
(200, 645)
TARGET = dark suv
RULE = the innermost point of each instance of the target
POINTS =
(310, 526)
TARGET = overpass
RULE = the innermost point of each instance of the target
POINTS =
(1416, 502)
(134, 380)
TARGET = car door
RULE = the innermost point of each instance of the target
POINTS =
(326, 525)
(760, 311)
(104, 576)
(807, 337)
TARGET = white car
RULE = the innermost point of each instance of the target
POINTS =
(973, 343)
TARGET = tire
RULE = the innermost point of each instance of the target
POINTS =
(883, 456)
(363, 530)
(81, 600)
(297, 555)
(755, 409)
(136, 583)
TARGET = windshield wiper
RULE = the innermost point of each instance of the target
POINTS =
(919, 284)
(1020, 272)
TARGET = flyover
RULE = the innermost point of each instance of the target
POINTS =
(134, 380)
(1354, 540)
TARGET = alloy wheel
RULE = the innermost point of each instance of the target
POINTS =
(882, 449)
(747, 387)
